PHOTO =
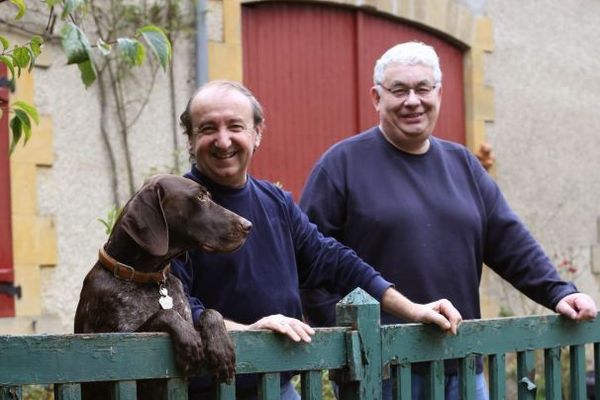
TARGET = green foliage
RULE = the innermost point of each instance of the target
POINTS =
(38, 392)
(132, 51)
(158, 43)
(327, 388)
(20, 123)
(79, 51)
(20, 6)
(112, 216)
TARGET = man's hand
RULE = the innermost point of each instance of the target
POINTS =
(440, 312)
(577, 306)
(293, 328)
(486, 156)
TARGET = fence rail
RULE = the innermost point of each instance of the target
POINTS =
(360, 353)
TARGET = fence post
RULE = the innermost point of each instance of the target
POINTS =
(361, 379)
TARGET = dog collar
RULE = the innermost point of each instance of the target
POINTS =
(128, 273)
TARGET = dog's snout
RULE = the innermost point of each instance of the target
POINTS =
(245, 225)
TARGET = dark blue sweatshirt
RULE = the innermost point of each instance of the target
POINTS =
(426, 222)
(283, 251)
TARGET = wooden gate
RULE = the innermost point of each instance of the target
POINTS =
(360, 352)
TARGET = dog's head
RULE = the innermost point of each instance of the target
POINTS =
(174, 213)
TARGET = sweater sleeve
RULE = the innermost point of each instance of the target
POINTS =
(323, 261)
(512, 252)
(325, 207)
(182, 268)
(324, 203)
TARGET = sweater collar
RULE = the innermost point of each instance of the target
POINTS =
(212, 186)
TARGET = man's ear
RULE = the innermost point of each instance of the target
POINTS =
(145, 222)
(375, 97)
(259, 130)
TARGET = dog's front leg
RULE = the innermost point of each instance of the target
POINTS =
(187, 342)
(218, 347)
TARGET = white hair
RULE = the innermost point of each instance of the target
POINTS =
(409, 53)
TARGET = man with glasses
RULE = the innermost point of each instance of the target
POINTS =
(423, 211)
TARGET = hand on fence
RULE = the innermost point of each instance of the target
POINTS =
(443, 314)
(293, 328)
(577, 306)
(440, 312)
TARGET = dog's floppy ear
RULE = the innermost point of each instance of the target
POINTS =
(145, 222)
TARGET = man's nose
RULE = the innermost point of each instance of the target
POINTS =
(223, 138)
(412, 98)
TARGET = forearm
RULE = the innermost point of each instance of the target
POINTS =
(395, 303)
(440, 312)
(235, 326)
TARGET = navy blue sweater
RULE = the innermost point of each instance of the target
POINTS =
(426, 222)
(283, 251)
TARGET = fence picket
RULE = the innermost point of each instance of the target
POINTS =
(497, 376)
(177, 389)
(577, 372)
(269, 388)
(68, 391)
(552, 373)
(401, 387)
(526, 375)
(596, 370)
(311, 385)
(467, 377)
(436, 380)
(125, 390)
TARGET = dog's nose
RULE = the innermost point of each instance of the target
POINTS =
(245, 225)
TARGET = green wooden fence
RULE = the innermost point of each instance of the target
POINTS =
(359, 353)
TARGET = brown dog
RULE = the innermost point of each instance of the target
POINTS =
(130, 288)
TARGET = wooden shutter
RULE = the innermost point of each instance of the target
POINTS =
(7, 304)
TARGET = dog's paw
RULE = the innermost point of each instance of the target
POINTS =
(189, 352)
(219, 352)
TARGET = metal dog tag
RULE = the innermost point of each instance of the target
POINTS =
(165, 301)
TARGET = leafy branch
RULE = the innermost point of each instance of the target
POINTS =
(78, 51)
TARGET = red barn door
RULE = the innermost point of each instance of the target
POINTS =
(7, 303)
(311, 67)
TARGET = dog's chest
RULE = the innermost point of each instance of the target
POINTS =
(137, 303)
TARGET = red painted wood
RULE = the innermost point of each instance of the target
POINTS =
(308, 93)
(7, 303)
(311, 66)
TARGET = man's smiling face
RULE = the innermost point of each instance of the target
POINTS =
(224, 137)
(407, 122)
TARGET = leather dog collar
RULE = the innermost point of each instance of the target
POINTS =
(128, 273)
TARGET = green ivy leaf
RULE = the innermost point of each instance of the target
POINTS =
(132, 51)
(158, 42)
(15, 127)
(9, 64)
(25, 123)
(71, 6)
(35, 44)
(21, 6)
(88, 72)
(5, 42)
(29, 109)
(52, 3)
(104, 47)
(21, 57)
(75, 43)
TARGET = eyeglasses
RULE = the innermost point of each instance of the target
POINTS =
(402, 92)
